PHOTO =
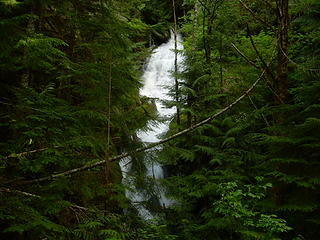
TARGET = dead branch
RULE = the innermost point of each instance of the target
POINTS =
(256, 16)
(152, 145)
(299, 65)
(18, 155)
(259, 68)
(14, 191)
(263, 116)
(245, 57)
(7, 190)
(259, 55)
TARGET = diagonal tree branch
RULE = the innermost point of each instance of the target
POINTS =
(17, 155)
(259, 54)
(150, 146)
(203, 5)
(245, 57)
(26, 194)
(256, 16)
(269, 84)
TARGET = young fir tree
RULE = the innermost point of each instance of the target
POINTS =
(69, 97)
(248, 173)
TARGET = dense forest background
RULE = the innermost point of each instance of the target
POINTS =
(69, 97)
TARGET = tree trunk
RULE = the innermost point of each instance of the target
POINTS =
(194, 27)
(194, 48)
(281, 82)
(26, 75)
(220, 63)
(176, 63)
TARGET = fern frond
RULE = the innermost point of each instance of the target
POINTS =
(204, 149)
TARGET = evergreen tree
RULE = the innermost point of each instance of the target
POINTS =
(246, 174)
(69, 97)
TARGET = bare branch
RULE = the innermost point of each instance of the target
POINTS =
(256, 16)
(246, 58)
(259, 55)
(7, 190)
(13, 191)
(259, 68)
(263, 116)
(17, 155)
(299, 65)
(152, 145)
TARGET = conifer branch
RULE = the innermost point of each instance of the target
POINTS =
(26, 194)
(256, 16)
(150, 146)
(297, 64)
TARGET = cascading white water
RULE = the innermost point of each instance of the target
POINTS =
(157, 79)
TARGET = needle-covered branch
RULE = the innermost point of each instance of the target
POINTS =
(150, 146)
(256, 16)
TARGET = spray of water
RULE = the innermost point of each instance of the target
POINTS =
(157, 79)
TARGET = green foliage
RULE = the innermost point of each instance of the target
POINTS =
(214, 168)
(117, 227)
(239, 206)
(58, 60)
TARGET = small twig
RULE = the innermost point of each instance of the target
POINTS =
(17, 155)
(297, 64)
(79, 212)
(264, 118)
(7, 190)
(274, 92)
(14, 191)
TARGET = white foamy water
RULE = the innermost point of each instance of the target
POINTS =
(157, 79)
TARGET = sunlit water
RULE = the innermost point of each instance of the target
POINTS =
(157, 79)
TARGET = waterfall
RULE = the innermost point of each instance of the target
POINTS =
(157, 79)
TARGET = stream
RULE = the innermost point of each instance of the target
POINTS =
(157, 78)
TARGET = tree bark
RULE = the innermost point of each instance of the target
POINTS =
(281, 81)
(194, 27)
(281, 85)
(176, 63)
